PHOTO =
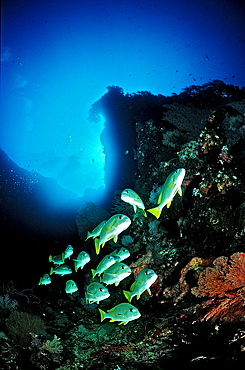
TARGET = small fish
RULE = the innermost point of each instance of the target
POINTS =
(71, 287)
(123, 312)
(57, 260)
(68, 252)
(131, 197)
(61, 270)
(112, 228)
(143, 282)
(96, 292)
(169, 189)
(82, 259)
(120, 254)
(115, 273)
(45, 280)
(104, 264)
(96, 231)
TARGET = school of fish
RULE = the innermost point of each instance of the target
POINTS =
(111, 269)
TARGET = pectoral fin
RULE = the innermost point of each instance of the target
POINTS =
(159, 200)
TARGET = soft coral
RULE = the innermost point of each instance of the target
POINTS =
(225, 285)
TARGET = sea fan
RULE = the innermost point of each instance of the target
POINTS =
(225, 285)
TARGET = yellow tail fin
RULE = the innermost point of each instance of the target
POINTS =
(88, 236)
(127, 295)
(102, 314)
(155, 211)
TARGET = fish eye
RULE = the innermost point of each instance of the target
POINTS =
(126, 191)
(120, 217)
(123, 267)
(131, 310)
(147, 272)
(101, 289)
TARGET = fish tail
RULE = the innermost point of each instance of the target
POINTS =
(93, 273)
(127, 295)
(40, 281)
(155, 211)
(75, 267)
(102, 314)
(144, 212)
(63, 256)
(97, 246)
(50, 258)
(88, 236)
(51, 271)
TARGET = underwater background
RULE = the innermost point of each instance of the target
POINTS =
(130, 113)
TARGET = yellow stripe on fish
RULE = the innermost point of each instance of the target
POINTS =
(169, 189)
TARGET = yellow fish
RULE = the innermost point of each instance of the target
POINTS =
(171, 186)
(131, 197)
(113, 227)
(96, 231)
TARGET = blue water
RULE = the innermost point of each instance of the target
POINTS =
(58, 57)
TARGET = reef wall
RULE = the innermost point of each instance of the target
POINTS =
(143, 130)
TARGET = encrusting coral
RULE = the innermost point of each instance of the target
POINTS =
(225, 285)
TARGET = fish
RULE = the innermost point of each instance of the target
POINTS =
(71, 287)
(115, 273)
(57, 260)
(61, 270)
(104, 264)
(82, 259)
(144, 280)
(131, 197)
(96, 231)
(120, 254)
(68, 252)
(45, 280)
(123, 312)
(112, 228)
(96, 292)
(169, 189)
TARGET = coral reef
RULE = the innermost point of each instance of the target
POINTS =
(8, 304)
(198, 290)
(21, 324)
(225, 285)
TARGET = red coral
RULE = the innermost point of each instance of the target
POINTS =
(146, 261)
(225, 285)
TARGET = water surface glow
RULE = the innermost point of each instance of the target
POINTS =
(58, 57)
